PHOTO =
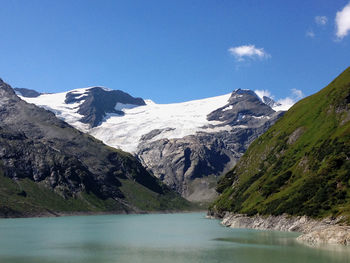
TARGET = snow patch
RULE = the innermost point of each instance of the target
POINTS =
(184, 118)
(240, 117)
(228, 108)
(125, 131)
(55, 103)
(261, 117)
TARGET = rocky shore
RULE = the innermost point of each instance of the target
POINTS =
(314, 232)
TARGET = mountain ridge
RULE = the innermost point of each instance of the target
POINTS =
(187, 145)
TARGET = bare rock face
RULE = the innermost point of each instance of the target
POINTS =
(339, 235)
(192, 164)
(188, 165)
(97, 101)
(29, 93)
(314, 232)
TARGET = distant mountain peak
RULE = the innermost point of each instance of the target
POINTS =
(243, 93)
(28, 93)
(96, 102)
(244, 106)
(270, 102)
(88, 106)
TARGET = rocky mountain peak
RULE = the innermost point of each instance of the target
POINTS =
(243, 94)
(191, 164)
(243, 106)
(5, 88)
(270, 102)
(28, 93)
(96, 102)
(7, 95)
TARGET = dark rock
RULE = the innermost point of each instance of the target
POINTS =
(191, 165)
(29, 93)
(98, 101)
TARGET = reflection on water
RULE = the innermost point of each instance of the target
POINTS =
(151, 238)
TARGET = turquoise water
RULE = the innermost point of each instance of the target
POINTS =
(151, 238)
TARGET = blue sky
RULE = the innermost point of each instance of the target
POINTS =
(171, 51)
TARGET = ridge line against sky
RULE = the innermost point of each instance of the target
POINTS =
(175, 51)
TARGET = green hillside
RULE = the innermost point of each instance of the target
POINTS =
(301, 165)
(27, 198)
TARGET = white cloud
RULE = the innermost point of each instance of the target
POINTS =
(342, 21)
(289, 101)
(284, 103)
(321, 20)
(310, 33)
(248, 51)
(297, 93)
(262, 93)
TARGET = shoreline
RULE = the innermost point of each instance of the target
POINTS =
(50, 214)
(313, 232)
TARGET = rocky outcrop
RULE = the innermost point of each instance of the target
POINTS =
(192, 164)
(29, 93)
(188, 165)
(243, 108)
(270, 102)
(97, 102)
(314, 232)
(328, 235)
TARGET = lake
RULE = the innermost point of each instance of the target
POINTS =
(188, 237)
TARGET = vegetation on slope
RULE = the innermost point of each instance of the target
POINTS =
(25, 197)
(301, 165)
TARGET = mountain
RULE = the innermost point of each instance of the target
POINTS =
(96, 102)
(186, 145)
(29, 93)
(270, 102)
(47, 165)
(192, 164)
(300, 166)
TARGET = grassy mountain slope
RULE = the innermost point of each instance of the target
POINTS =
(47, 165)
(301, 165)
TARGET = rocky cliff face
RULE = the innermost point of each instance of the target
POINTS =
(192, 164)
(36, 146)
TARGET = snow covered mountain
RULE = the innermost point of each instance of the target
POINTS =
(98, 111)
(202, 137)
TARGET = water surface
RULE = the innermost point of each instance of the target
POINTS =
(151, 238)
